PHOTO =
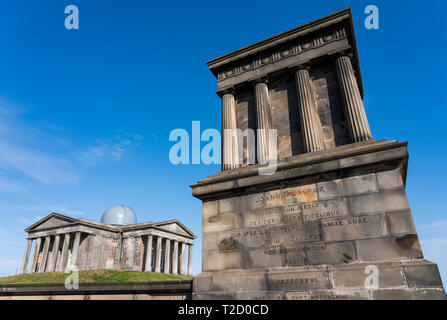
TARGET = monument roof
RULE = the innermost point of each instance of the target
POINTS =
(301, 32)
(56, 220)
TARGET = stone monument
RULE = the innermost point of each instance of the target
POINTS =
(333, 221)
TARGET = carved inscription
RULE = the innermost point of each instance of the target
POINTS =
(288, 196)
(308, 211)
(291, 227)
(293, 233)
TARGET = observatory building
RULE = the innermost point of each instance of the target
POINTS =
(118, 242)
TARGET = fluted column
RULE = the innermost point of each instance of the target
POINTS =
(74, 252)
(64, 253)
(264, 121)
(53, 257)
(190, 260)
(35, 255)
(43, 260)
(310, 122)
(182, 258)
(354, 110)
(148, 266)
(167, 255)
(26, 256)
(230, 145)
(175, 258)
(158, 255)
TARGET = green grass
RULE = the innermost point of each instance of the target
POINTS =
(92, 276)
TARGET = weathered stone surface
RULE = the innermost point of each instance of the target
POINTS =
(390, 275)
(423, 275)
(379, 249)
(325, 209)
(210, 208)
(259, 259)
(355, 228)
(222, 261)
(408, 294)
(365, 183)
(401, 222)
(379, 202)
(390, 179)
(222, 222)
(332, 253)
(298, 281)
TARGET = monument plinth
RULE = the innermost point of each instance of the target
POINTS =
(333, 221)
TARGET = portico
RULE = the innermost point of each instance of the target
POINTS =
(58, 243)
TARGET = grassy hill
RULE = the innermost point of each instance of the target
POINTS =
(92, 276)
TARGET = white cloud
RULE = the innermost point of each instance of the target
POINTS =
(109, 149)
(435, 225)
(47, 209)
(36, 164)
(37, 151)
(9, 186)
(31, 151)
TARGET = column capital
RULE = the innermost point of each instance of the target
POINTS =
(263, 79)
(222, 92)
(303, 66)
(341, 54)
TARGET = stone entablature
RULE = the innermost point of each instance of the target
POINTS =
(62, 243)
(294, 47)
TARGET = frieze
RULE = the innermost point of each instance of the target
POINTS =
(292, 49)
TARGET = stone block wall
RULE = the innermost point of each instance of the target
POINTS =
(353, 218)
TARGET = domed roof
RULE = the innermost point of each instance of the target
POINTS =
(119, 216)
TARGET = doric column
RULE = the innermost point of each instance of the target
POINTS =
(148, 266)
(175, 258)
(35, 255)
(310, 122)
(74, 252)
(43, 260)
(230, 145)
(264, 121)
(182, 258)
(190, 260)
(167, 255)
(53, 257)
(26, 256)
(64, 253)
(354, 110)
(158, 255)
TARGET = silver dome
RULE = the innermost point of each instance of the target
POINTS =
(119, 216)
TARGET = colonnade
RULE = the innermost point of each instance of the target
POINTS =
(167, 255)
(54, 253)
(59, 253)
(311, 128)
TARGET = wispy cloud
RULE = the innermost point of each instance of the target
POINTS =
(36, 164)
(29, 151)
(38, 151)
(108, 149)
(44, 209)
(435, 225)
(10, 186)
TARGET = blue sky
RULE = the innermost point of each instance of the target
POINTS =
(85, 115)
